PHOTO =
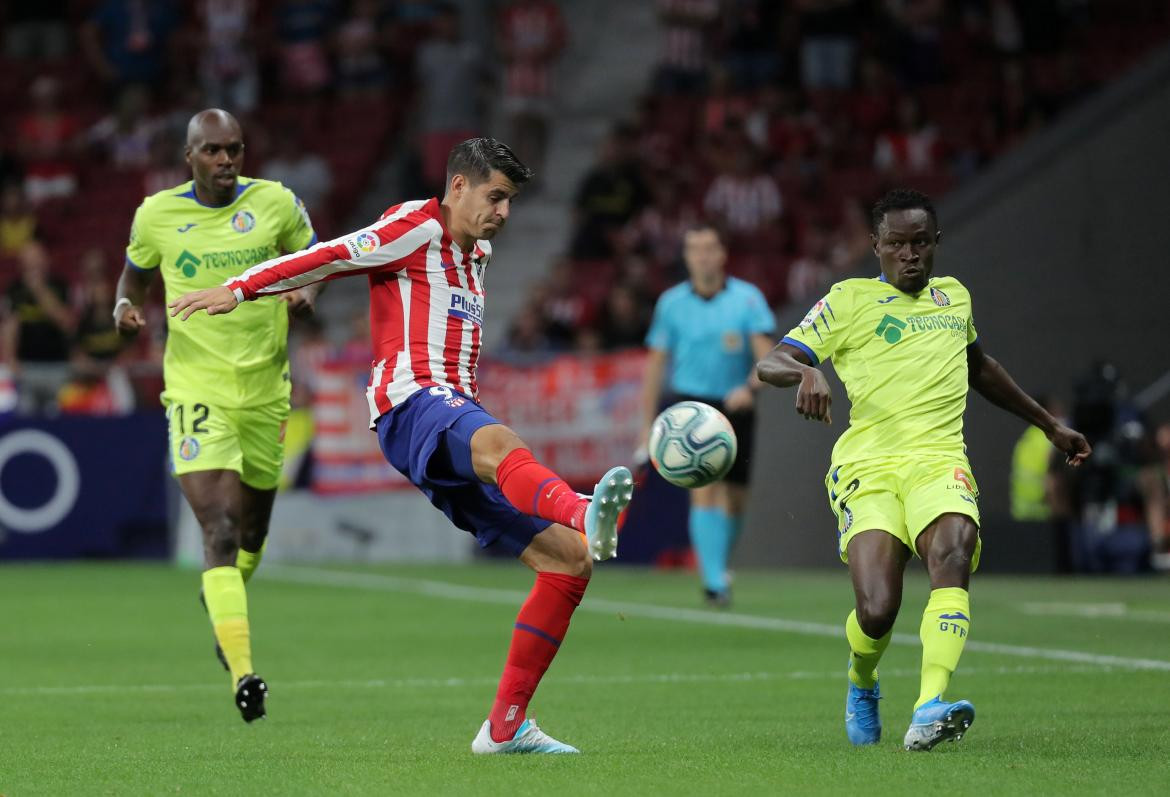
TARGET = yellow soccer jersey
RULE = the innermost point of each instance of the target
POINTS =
(235, 360)
(903, 360)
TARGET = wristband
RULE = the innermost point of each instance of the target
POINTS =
(118, 304)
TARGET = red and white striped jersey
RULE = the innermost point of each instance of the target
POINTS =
(426, 298)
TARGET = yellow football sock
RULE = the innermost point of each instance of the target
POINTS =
(227, 606)
(248, 561)
(945, 625)
(866, 652)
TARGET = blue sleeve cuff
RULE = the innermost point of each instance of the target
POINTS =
(972, 343)
(135, 266)
(812, 355)
(313, 240)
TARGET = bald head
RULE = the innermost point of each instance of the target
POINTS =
(215, 152)
(214, 123)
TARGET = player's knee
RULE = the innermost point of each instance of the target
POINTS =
(954, 559)
(253, 538)
(573, 560)
(489, 445)
(876, 614)
(580, 564)
(220, 542)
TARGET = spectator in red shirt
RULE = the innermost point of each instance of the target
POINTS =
(531, 37)
(725, 103)
(44, 139)
(911, 147)
(448, 67)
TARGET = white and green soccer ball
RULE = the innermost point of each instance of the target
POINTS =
(692, 444)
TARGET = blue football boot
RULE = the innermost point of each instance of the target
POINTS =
(936, 721)
(863, 723)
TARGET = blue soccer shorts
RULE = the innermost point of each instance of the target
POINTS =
(427, 439)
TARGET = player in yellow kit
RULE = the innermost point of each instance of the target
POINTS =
(227, 380)
(906, 348)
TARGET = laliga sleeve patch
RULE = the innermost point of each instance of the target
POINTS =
(362, 244)
(816, 312)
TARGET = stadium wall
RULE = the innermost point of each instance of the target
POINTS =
(1064, 246)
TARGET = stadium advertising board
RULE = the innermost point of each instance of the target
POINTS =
(77, 487)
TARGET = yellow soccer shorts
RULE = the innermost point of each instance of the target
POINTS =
(901, 496)
(248, 440)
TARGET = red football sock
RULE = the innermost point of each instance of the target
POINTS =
(540, 627)
(534, 489)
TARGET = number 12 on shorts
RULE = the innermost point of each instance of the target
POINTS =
(199, 413)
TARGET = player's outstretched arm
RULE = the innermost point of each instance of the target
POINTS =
(215, 301)
(992, 381)
(786, 366)
(130, 295)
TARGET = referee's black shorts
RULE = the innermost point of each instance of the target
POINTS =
(744, 424)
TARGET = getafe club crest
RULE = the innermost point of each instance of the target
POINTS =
(243, 221)
(940, 298)
(188, 449)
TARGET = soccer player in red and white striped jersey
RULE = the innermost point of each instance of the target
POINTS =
(426, 262)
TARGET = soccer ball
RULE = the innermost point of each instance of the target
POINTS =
(692, 444)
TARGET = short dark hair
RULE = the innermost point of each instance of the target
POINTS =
(475, 159)
(706, 226)
(903, 199)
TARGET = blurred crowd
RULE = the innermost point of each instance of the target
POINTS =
(784, 121)
(1112, 514)
(780, 121)
(96, 96)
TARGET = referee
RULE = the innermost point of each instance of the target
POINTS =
(709, 332)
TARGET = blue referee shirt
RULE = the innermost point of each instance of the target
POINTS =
(709, 340)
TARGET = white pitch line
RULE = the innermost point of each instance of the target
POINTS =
(444, 589)
(459, 682)
(1096, 611)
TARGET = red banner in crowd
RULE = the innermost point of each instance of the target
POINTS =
(580, 415)
(346, 456)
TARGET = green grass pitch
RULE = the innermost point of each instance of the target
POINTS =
(380, 678)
